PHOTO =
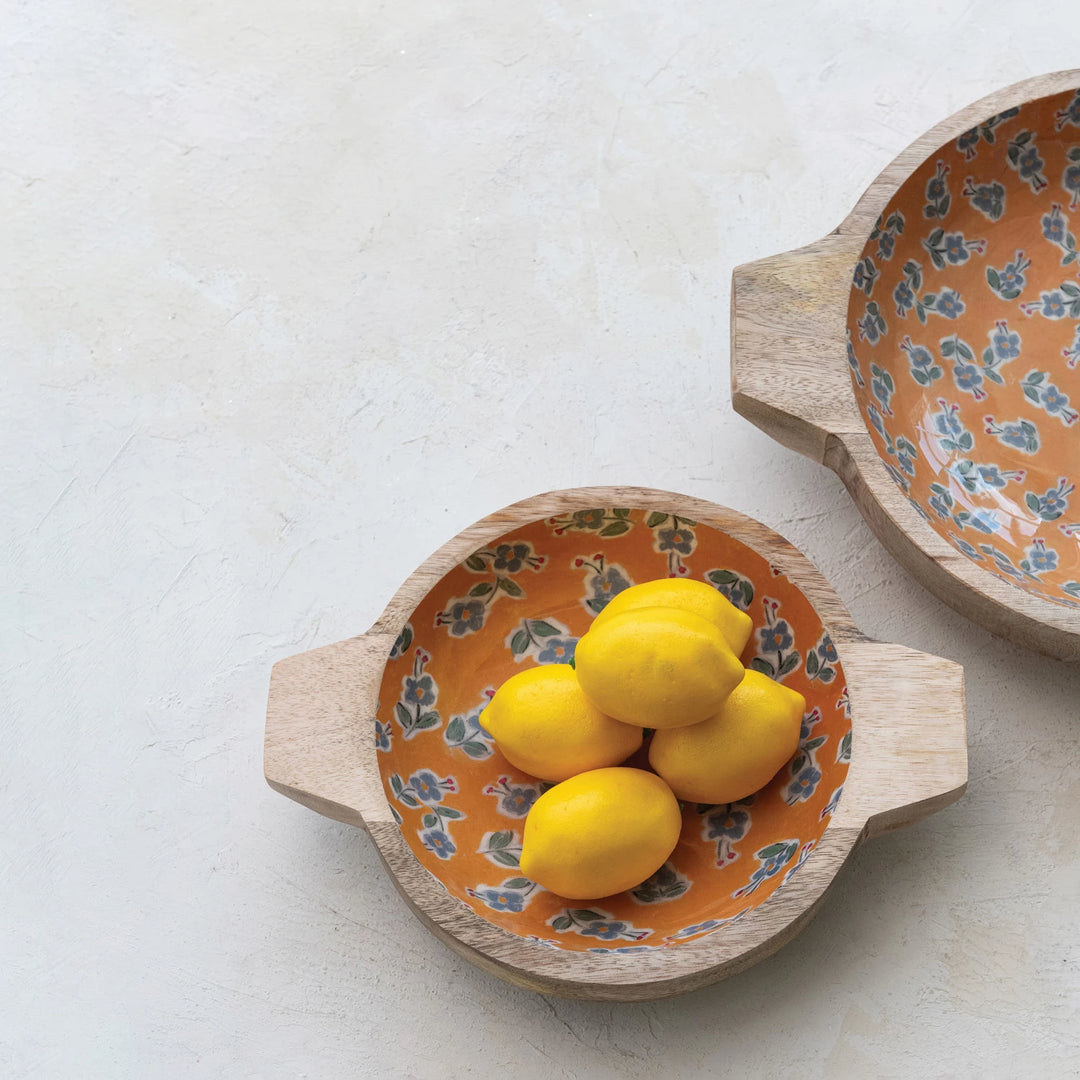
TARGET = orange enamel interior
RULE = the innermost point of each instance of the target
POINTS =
(964, 344)
(525, 599)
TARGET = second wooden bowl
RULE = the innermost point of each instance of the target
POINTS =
(928, 352)
(385, 731)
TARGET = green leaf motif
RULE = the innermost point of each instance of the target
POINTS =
(481, 588)
(500, 840)
(993, 278)
(474, 562)
(505, 858)
(428, 720)
(759, 663)
(722, 577)
(542, 629)
(511, 588)
(450, 813)
(616, 528)
(561, 923)
(430, 821)
(1032, 501)
(827, 675)
(812, 664)
(844, 751)
(789, 665)
(517, 883)
(476, 749)
(519, 643)
(772, 850)
(455, 730)
(748, 592)
(585, 915)
(621, 512)
(396, 784)
(402, 715)
(654, 519)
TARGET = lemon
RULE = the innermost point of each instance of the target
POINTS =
(657, 667)
(687, 595)
(737, 751)
(600, 832)
(545, 725)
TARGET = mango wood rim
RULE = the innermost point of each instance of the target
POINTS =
(790, 377)
(909, 759)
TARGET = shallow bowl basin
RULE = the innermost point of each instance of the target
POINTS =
(386, 731)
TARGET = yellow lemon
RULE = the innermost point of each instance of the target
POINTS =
(737, 751)
(687, 595)
(657, 667)
(600, 832)
(545, 725)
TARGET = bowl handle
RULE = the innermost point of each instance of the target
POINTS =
(789, 369)
(315, 717)
(909, 749)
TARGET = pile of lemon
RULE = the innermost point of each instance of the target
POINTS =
(665, 656)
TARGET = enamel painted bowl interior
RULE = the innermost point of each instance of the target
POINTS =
(964, 343)
(525, 599)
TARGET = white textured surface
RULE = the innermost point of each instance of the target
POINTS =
(292, 293)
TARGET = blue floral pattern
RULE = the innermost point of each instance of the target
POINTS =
(988, 199)
(605, 523)
(666, 884)
(466, 615)
(1009, 282)
(604, 581)
(415, 710)
(803, 768)
(1070, 178)
(1045, 395)
(726, 826)
(547, 641)
(598, 924)
(777, 656)
(771, 860)
(737, 588)
(938, 198)
(515, 800)
(426, 791)
(674, 537)
(1023, 156)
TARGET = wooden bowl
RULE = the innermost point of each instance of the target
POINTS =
(385, 731)
(928, 352)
